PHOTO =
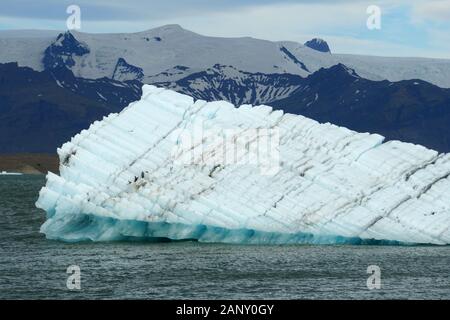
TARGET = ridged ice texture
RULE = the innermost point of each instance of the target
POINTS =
(334, 185)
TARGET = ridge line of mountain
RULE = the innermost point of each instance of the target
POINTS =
(41, 110)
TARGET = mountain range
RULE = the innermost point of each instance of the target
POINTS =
(52, 85)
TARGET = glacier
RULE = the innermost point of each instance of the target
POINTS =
(127, 178)
(158, 51)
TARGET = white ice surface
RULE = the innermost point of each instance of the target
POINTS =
(334, 185)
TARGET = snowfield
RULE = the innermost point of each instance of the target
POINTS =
(120, 180)
(158, 51)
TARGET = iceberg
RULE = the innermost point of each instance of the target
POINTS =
(5, 173)
(168, 167)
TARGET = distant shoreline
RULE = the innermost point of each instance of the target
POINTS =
(29, 163)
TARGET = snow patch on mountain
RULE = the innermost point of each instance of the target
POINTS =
(222, 82)
(436, 71)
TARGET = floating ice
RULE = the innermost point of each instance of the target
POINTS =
(132, 176)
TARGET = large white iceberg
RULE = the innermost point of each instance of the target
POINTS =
(127, 177)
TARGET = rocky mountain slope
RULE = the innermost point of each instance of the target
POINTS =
(40, 110)
(76, 78)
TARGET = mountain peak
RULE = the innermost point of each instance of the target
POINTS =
(343, 68)
(62, 51)
(64, 36)
(173, 26)
(318, 45)
(168, 28)
(338, 72)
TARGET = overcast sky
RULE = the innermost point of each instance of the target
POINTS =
(408, 27)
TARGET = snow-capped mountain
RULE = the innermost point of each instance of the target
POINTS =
(157, 50)
(121, 179)
(285, 75)
(410, 110)
(236, 86)
(435, 71)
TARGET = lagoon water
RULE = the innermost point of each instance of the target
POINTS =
(32, 267)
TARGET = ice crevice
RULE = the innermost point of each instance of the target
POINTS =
(121, 180)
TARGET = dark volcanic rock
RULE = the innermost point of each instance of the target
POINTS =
(411, 110)
(125, 71)
(62, 51)
(41, 110)
(318, 45)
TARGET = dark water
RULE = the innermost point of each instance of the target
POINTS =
(33, 267)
